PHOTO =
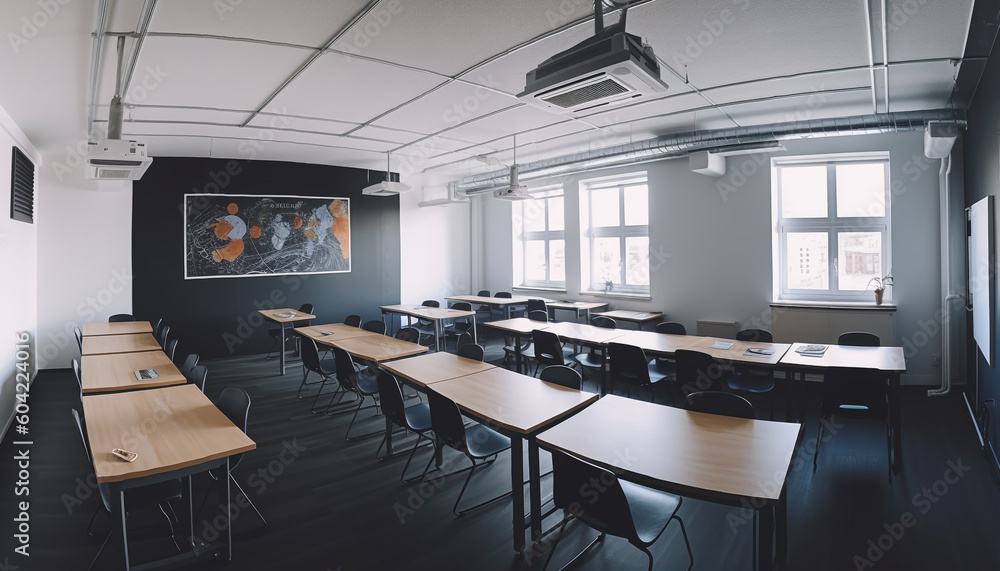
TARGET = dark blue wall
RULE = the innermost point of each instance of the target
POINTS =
(218, 317)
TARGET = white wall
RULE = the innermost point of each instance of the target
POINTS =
(435, 249)
(18, 255)
(84, 255)
(710, 242)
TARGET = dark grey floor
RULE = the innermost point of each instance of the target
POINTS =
(333, 506)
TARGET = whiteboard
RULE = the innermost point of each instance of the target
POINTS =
(981, 257)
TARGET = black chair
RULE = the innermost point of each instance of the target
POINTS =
(375, 326)
(538, 315)
(276, 332)
(159, 494)
(484, 312)
(548, 349)
(198, 376)
(189, 363)
(628, 364)
(594, 358)
(527, 350)
(472, 351)
(78, 334)
(622, 509)
(350, 381)
(855, 393)
(121, 317)
(562, 375)
(480, 444)
(353, 320)
(754, 380)
(426, 326)
(459, 325)
(671, 327)
(665, 366)
(536, 305)
(408, 334)
(163, 337)
(171, 349)
(499, 312)
(415, 418)
(717, 402)
(697, 371)
(313, 363)
(158, 326)
(235, 404)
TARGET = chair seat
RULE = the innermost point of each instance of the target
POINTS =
(651, 509)
(663, 368)
(589, 360)
(751, 383)
(329, 366)
(483, 441)
(368, 385)
(418, 417)
(656, 374)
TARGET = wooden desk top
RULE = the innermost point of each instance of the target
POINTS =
(521, 325)
(513, 401)
(130, 343)
(738, 352)
(585, 333)
(657, 343)
(170, 428)
(632, 316)
(106, 373)
(276, 315)
(377, 348)
(118, 328)
(690, 453)
(497, 301)
(331, 331)
(424, 312)
(429, 368)
(576, 304)
(889, 359)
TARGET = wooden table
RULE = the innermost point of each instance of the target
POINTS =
(517, 327)
(637, 317)
(575, 306)
(324, 334)
(436, 315)
(588, 336)
(177, 432)
(519, 407)
(737, 354)
(424, 370)
(117, 328)
(504, 303)
(125, 343)
(116, 372)
(889, 360)
(377, 348)
(283, 316)
(721, 459)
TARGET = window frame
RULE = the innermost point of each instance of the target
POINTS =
(832, 225)
(591, 282)
(542, 196)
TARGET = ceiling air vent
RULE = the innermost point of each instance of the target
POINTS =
(22, 187)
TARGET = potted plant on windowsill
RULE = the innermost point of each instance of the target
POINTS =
(880, 283)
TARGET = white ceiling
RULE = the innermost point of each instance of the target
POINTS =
(434, 82)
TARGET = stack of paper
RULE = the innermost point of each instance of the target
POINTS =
(811, 350)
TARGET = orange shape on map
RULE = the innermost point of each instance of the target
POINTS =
(255, 231)
(342, 230)
(230, 252)
(222, 229)
(232, 208)
(309, 234)
(297, 223)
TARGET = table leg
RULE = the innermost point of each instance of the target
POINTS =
(765, 539)
(124, 526)
(437, 334)
(229, 516)
(895, 421)
(517, 351)
(517, 490)
(281, 350)
(781, 527)
(534, 491)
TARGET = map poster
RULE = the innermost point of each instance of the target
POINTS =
(235, 235)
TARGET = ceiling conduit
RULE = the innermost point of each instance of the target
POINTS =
(720, 140)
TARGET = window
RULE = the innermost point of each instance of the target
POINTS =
(615, 244)
(539, 240)
(831, 225)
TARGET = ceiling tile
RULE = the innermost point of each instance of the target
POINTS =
(924, 85)
(927, 30)
(305, 124)
(802, 108)
(449, 106)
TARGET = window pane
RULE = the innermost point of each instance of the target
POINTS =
(861, 190)
(803, 192)
(636, 206)
(607, 261)
(859, 259)
(557, 261)
(637, 260)
(534, 215)
(534, 260)
(556, 221)
(604, 208)
(806, 254)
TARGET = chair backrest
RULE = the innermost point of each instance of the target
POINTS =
(353, 320)
(534, 304)
(697, 371)
(162, 337)
(431, 303)
(573, 489)
(408, 334)
(446, 421)
(171, 349)
(755, 335)
(464, 338)
(503, 294)
(346, 373)
(121, 317)
(157, 327)
(718, 402)
(855, 392)
(83, 435)
(235, 404)
(562, 375)
(671, 327)
(198, 376)
(310, 355)
(471, 351)
(628, 363)
(78, 333)
(859, 339)
(462, 306)
(391, 397)
(304, 308)
(375, 326)
(189, 363)
(484, 293)
(548, 349)
(79, 377)
(605, 322)
(538, 315)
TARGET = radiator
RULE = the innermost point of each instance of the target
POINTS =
(724, 329)
(805, 324)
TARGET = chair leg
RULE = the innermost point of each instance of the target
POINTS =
(458, 512)
(888, 445)
(249, 501)
(101, 550)
(819, 439)
(348, 436)
(90, 524)
(171, 524)
(687, 543)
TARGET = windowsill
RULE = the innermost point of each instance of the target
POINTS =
(618, 295)
(847, 305)
(538, 288)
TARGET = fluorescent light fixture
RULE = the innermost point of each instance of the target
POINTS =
(386, 187)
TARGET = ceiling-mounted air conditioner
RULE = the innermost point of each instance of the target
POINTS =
(116, 159)
(611, 68)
